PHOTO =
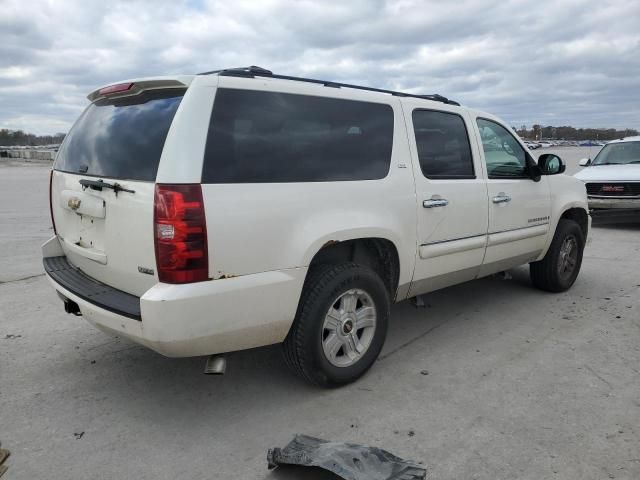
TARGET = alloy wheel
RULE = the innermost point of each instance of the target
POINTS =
(349, 327)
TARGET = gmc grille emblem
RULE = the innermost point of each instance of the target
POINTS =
(613, 188)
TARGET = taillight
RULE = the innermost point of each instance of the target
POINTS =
(180, 232)
(118, 88)
(53, 222)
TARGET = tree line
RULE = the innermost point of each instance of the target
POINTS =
(10, 138)
(538, 132)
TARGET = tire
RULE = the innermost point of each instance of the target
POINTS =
(559, 268)
(325, 346)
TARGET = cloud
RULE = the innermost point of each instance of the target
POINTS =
(549, 62)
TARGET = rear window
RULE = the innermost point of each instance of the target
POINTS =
(443, 145)
(263, 137)
(120, 138)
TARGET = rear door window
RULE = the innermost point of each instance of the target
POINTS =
(443, 145)
(120, 138)
(266, 137)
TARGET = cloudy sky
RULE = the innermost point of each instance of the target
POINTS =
(552, 62)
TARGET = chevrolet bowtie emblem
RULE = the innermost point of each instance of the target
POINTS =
(74, 203)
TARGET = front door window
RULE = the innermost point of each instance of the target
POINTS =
(503, 154)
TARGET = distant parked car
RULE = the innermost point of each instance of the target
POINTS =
(591, 143)
(613, 180)
(545, 144)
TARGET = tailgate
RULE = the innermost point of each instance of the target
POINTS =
(102, 188)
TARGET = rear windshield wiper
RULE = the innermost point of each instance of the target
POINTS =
(100, 184)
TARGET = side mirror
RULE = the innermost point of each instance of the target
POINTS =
(551, 164)
(585, 162)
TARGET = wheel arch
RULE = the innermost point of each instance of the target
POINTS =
(578, 215)
(576, 211)
(378, 253)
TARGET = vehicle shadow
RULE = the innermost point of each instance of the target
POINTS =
(632, 226)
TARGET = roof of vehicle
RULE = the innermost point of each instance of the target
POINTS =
(627, 139)
(137, 85)
(254, 71)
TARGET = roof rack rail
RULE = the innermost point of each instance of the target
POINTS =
(255, 71)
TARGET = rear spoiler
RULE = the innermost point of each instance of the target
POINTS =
(135, 87)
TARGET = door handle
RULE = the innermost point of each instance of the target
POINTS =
(435, 202)
(501, 198)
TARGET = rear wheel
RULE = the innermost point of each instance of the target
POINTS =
(340, 326)
(559, 268)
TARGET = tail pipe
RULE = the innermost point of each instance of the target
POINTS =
(215, 365)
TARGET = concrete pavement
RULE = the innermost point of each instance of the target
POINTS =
(520, 384)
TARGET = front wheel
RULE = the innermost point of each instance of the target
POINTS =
(559, 268)
(340, 326)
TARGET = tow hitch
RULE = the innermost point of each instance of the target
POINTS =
(70, 306)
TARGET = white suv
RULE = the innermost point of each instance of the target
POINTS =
(209, 213)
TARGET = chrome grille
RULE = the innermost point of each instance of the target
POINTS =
(614, 189)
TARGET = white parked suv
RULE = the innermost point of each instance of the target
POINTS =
(209, 213)
(613, 181)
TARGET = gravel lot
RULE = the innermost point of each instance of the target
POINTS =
(520, 384)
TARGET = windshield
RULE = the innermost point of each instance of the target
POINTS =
(120, 138)
(618, 154)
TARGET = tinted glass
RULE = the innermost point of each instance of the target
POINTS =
(260, 137)
(120, 138)
(504, 156)
(618, 153)
(443, 145)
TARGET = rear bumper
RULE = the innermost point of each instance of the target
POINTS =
(196, 319)
(83, 286)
